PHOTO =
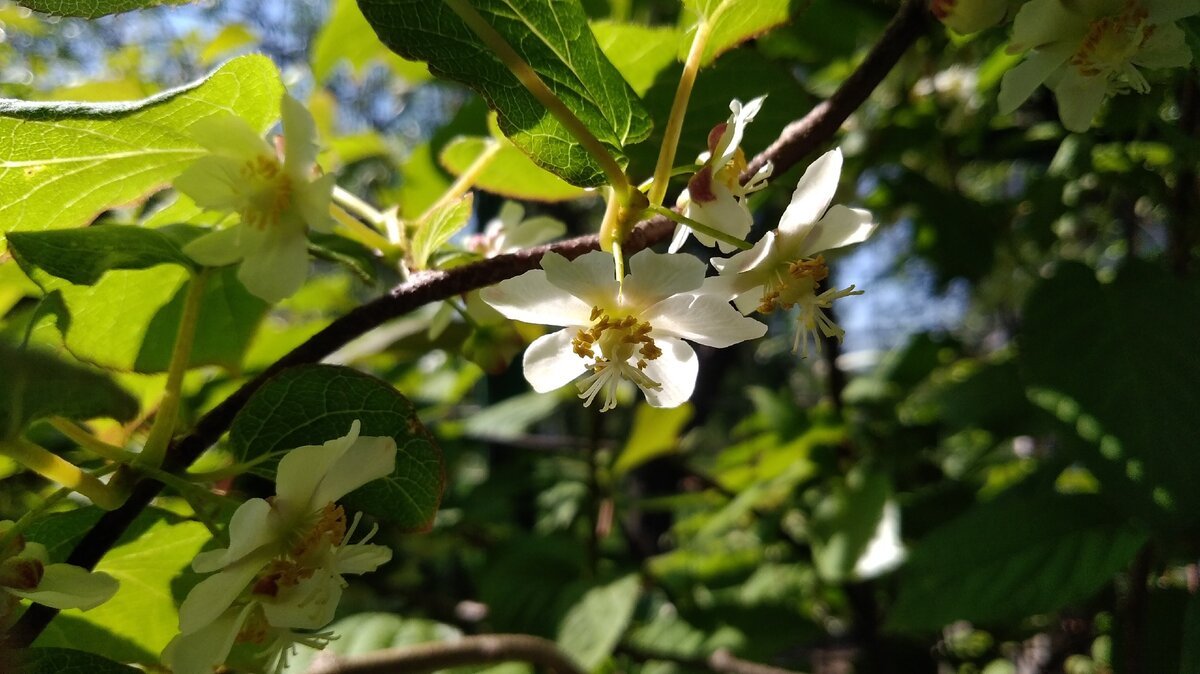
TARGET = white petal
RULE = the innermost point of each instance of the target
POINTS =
(676, 370)
(312, 202)
(813, 193)
(67, 586)
(359, 559)
(203, 650)
(278, 268)
(726, 214)
(549, 362)
(309, 605)
(214, 183)
(1020, 82)
(299, 137)
(590, 277)
(250, 528)
(653, 277)
(230, 135)
(1042, 22)
(301, 471)
(731, 139)
(217, 248)
(705, 319)
(370, 458)
(531, 298)
(749, 260)
(841, 226)
(210, 598)
(1079, 99)
(1165, 48)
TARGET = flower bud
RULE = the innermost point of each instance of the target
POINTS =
(969, 16)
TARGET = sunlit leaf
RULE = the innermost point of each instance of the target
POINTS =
(82, 256)
(509, 172)
(735, 21)
(67, 661)
(591, 629)
(435, 230)
(347, 37)
(655, 433)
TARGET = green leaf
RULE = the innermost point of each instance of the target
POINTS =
(509, 173)
(554, 39)
(347, 37)
(62, 163)
(352, 255)
(1136, 337)
(655, 433)
(90, 9)
(67, 661)
(234, 37)
(434, 231)
(135, 625)
(312, 404)
(81, 256)
(735, 21)
(128, 319)
(1021, 554)
(37, 385)
(845, 522)
(639, 52)
(592, 628)
(370, 632)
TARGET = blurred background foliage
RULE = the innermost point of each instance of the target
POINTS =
(996, 472)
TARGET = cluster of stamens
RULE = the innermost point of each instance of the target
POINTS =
(610, 334)
(329, 530)
(271, 191)
(1111, 41)
(801, 281)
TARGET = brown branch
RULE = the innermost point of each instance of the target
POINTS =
(431, 657)
(798, 140)
(720, 662)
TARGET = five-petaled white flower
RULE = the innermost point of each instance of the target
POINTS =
(277, 200)
(286, 557)
(511, 231)
(714, 195)
(26, 573)
(1087, 50)
(634, 330)
(783, 270)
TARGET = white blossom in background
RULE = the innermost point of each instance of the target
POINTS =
(26, 573)
(511, 231)
(277, 201)
(714, 195)
(969, 16)
(281, 577)
(784, 269)
(614, 332)
(1088, 50)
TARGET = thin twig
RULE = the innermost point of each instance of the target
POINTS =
(431, 657)
(798, 140)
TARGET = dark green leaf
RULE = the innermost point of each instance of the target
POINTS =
(81, 256)
(38, 385)
(312, 404)
(67, 661)
(90, 9)
(591, 628)
(554, 39)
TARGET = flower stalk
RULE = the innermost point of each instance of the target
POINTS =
(60, 471)
(465, 181)
(683, 93)
(704, 229)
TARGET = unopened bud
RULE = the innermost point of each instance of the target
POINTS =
(969, 16)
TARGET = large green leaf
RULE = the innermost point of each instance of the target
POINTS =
(735, 21)
(554, 39)
(591, 628)
(81, 256)
(1129, 386)
(68, 661)
(62, 163)
(141, 618)
(310, 405)
(90, 9)
(37, 385)
(510, 172)
(1021, 554)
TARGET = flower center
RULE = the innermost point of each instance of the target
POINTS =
(795, 285)
(617, 341)
(326, 532)
(1112, 41)
(268, 191)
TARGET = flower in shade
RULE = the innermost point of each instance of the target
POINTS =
(969, 16)
(715, 196)
(26, 573)
(1087, 50)
(784, 270)
(281, 577)
(614, 332)
(277, 201)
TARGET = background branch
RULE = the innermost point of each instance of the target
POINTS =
(431, 657)
(798, 140)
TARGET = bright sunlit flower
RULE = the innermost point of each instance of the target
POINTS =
(284, 567)
(714, 196)
(633, 331)
(277, 201)
(1087, 50)
(784, 269)
(26, 573)
(511, 231)
(969, 16)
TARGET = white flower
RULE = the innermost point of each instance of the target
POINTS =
(613, 332)
(1087, 50)
(969, 16)
(783, 270)
(286, 557)
(714, 195)
(510, 231)
(25, 573)
(277, 201)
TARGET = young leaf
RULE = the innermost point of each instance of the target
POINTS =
(68, 661)
(310, 405)
(1021, 554)
(554, 39)
(639, 52)
(347, 37)
(510, 173)
(434, 231)
(37, 385)
(90, 9)
(591, 629)
(81, 256)
(735, 21)
(62, 163)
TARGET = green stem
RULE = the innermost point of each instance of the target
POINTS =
(683, 93)
(60, 471)
(462, 311)
(80, 436)
(360, 232)
(351, 202)
(465, 181)
(702, 228)
(168, 410)
(232, 470)
(533, 82)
